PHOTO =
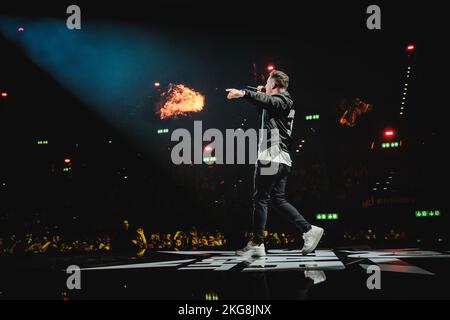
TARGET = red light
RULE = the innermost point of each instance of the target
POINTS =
(67, 161)
(410, 47)
(208, 148)
(4, 94)
(389, 133)
(270, 68)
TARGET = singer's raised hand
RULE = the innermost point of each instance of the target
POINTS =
(261, 88)
(234, 94)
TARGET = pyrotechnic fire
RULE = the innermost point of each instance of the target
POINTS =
(352, 110)
(180, 100)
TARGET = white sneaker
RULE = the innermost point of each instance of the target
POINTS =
(252, 250)
(317, 276)
(312, 238)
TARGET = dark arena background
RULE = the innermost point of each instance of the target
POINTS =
(93, 207)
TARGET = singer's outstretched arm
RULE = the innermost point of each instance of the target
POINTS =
(274, 103)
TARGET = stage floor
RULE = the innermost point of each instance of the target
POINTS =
(217, 275)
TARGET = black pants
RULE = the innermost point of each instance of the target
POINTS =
(270, 189)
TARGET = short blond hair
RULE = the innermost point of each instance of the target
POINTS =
(281, 79)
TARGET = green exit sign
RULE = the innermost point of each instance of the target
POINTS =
(386, 145)
(161, 131)
(312, 117)
(327, 216)
(208, 160)
(40, 142)
(427, 213)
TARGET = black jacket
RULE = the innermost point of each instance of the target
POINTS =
(277, 113)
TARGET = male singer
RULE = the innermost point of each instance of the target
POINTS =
(277, 116)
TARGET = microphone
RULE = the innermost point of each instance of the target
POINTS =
(254, 89)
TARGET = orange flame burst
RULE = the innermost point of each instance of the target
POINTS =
(353, 110)
(180, 100)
